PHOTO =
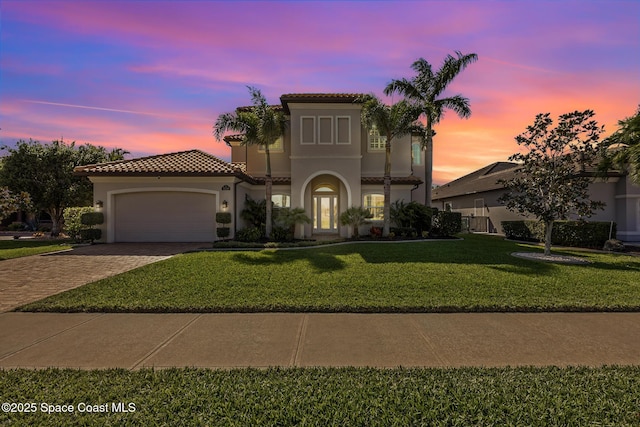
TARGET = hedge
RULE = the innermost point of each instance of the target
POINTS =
(73, 220)
(584, 234)
(447, 223)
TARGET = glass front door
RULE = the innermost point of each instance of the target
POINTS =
(325, 213)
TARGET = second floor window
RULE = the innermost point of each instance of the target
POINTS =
(376, 141)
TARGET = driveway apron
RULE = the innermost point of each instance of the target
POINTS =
(28, 279)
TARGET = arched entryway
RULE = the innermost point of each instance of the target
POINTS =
(325, 209)
(324, 196)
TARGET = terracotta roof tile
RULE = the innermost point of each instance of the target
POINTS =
(343, 98)
(395, 180)
(184, 163)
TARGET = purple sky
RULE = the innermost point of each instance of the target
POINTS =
(152, 76)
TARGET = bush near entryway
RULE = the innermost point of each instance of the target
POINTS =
(73, 221)
(414, 216)
(584, 234)
(90, 219)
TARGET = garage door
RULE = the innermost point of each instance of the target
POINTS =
(164, 216)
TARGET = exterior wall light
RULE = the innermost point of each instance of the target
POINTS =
(225, 204)
(99, 204)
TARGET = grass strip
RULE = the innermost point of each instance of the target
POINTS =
(330, 396)
(10, 249)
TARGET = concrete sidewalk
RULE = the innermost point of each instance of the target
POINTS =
(133, 341)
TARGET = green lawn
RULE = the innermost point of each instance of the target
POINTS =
(19, 248)
(330, 396)
(477, 274)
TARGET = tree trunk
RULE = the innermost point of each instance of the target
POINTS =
(548, 228)
(268, 190)
(387, 188)
(56, 215)
(428, 166)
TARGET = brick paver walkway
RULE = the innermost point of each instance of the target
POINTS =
(28, 279)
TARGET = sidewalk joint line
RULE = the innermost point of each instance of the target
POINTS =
(164, 343)
(47, 338)
(302, 333)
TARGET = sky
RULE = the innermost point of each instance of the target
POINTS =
(152, 76)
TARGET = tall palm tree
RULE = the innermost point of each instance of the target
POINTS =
(424, 91)
(260, 125)
(391, 122)
(623, 147)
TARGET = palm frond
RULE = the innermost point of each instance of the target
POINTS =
(451, 67)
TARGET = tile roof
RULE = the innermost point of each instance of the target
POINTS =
(395, 180)
(183, 163)
(484, 179)
(371, 180)
(342, 98)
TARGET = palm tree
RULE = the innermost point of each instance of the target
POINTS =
(623, 147)
(424, 91)
(260, 125)
(391, 122)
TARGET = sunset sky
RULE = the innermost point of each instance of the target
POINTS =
(152, 76)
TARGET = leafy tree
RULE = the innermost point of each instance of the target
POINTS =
(355, 216)
(10, 202)
(551, 184)
(260, 125)
(45, 172)
(392, 121)
(623, 147)
(425, 90)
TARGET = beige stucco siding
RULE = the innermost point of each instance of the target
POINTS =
(373, 161)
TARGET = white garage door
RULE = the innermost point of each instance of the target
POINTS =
(164, 216)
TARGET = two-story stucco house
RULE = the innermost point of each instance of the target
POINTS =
(325, 163)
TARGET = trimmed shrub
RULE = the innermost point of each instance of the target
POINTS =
(404, 231)
(90, 234)
(223, 217)
(448, 223)
(581, 233)
(522, 230)
(92, 218)
(281, 234)
(249, 234)
(73, 220)
(584, 234)
(223, 232)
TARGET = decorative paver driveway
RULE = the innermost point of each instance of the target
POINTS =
(28, 279)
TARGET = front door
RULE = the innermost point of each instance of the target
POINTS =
(325, 213)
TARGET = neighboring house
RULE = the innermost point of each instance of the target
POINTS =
(326, 163)
(476, 196)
